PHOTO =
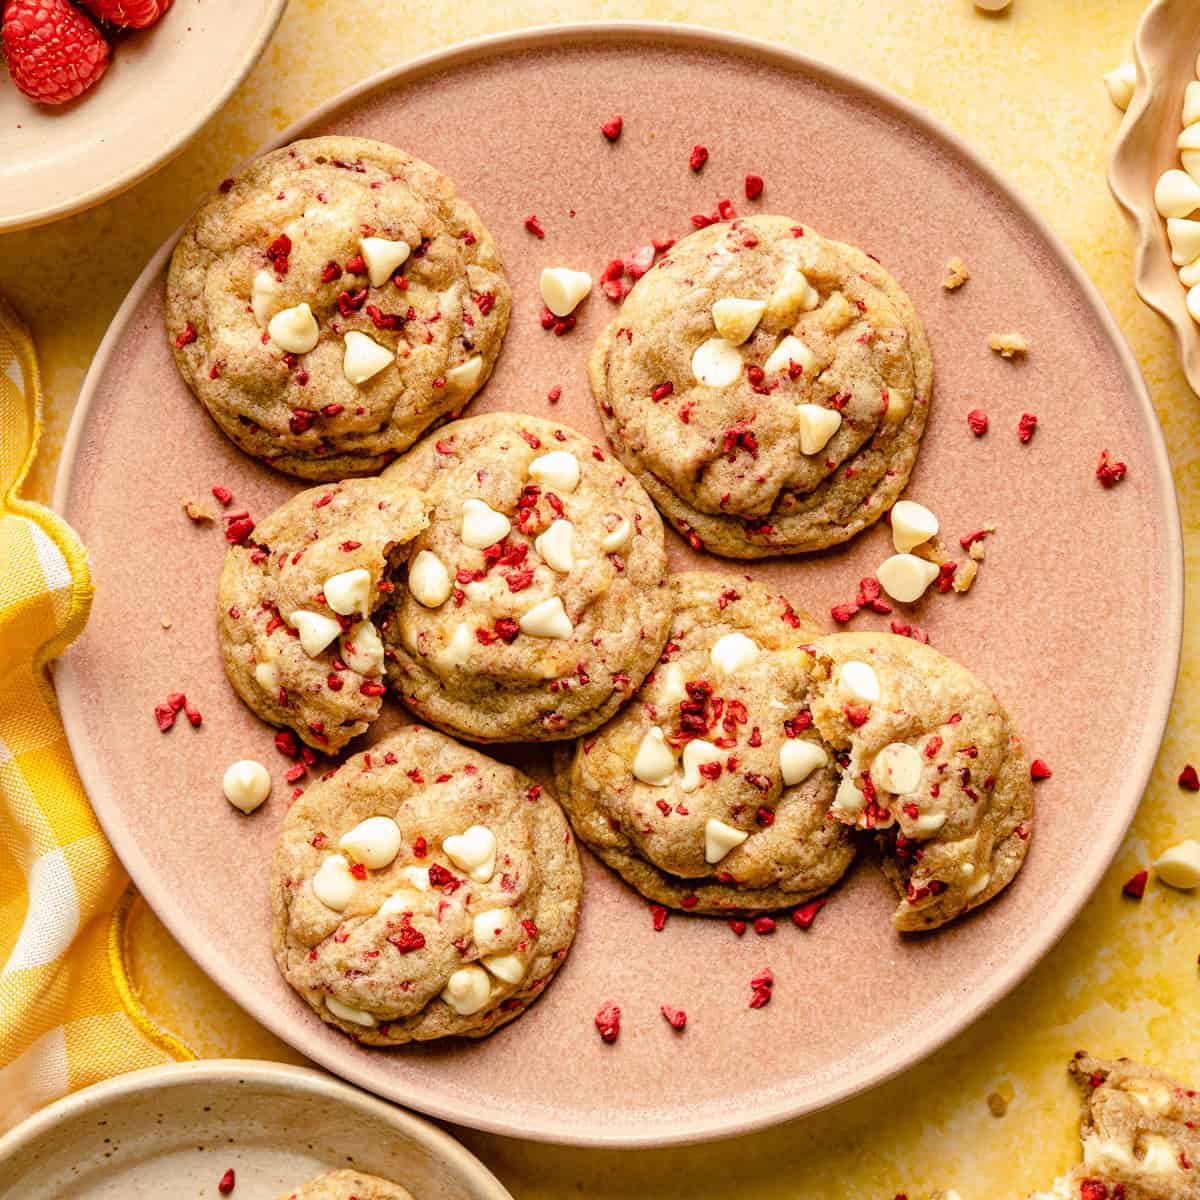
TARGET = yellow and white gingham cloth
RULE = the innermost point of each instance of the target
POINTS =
(68, 1016)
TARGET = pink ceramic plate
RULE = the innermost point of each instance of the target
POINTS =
(1075, 619)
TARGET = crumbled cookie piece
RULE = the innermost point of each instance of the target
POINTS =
(1009, 345)
(197, 512)
(956, 274)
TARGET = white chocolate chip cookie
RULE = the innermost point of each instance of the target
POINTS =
(348, 1185)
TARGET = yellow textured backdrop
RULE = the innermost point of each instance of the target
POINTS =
(1025, 89)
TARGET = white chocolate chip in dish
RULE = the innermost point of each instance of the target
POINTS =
(474, 852)
(1184, 236)
(905, 577)
(897, 769)
(791, 350)
(428, 580)
(558, 469)
(798, 759)
(466, 375)
(263, 291)
(1191, 103)
(1193, 302)
(857, 681)
(316, 630)
(547, 620)
(695, 754)
(246, 784)
(733, 653)
(1180, 865)
(362, 648)
(491, 928)
(557, 546)
(716, 363)
(508, 967)
(382, 257)
(912, 525)
(482, 525)
(564, 289)
(737, 319)
(349, 592)
(1176, 194)
(817, 425)
(720, 839)
(344, 1012)
(654, 763)
(468, 990)
(1189, 276)
(364, 357)
(374, 842)
(294, 330)
(1189, 139)
(1120, 82)
(333, 884)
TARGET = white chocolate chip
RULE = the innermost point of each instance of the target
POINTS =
(382, 257)
(695, 754)
(790, 350)
(1176, 194)
(558, 469)
(905, 576)
(294, 330)
(1120, 82)
(458, 649)
(316, 630)
(362, 648)
(355, 1016)
(733, 653)
(374, 842)
(1152, 1096)
(977, 885)
(716, 363)
(482, 525)
(737, 319)
(857, 681)
(798, 759)
(912, 525)
(1180, 865)
(849, 800)
(349, 592)
(492, 928)
(1189, 275)
(817, 425)
(364, 357)
(671, 688)
(793, 295)
(428, 580)
(417, 876)
(1189, 139)
(1105, 1152)
(897, 769)
(466, 375)
(1191, 104)
(618, 537)
(1191, 163)
(563, 289)
(468, 990)
(719, 839)
(557, 546)
(262, 295)
(928, 823)
(510, 968)
(1184, 236)
(246, 784)
(266, 675)
(654, 763)
(1161, 1157)
(333, 884)
(547, 620)
(474, 852)
(1193, 302)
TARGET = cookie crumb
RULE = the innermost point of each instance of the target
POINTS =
(1009, 345)
(196, 512)
(164, 622)
(997, 1104)
(965, 577)
(956, 274)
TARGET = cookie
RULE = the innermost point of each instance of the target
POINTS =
(767, 386)
(535, 603)
(711, 791)
(423, 891)
(348, 1185)
(1140, 1132)
(332, 302)
(296, 600)
(930, 760)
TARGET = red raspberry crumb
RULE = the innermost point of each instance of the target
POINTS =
(1136, 886)
(640, 261)
(285, 743)
(764, 925)
(760, 987)
(408, 939)
(806, 914)
(1189, 780)
(1108, 472)
(1039, 769)
(662, 391)
(612, 128)
(223, 494)
(675, 1017)
(131, 14)
(164, 714)
(842, 613)
(54, 53)
(534, 226)
(658, 914)
(554, 394)
(187, 335)
(738, 927)
(227, 1181)
(608, 1021)
(1093, 1189)
(754, 187)
(358, 870)
(193, 714)
(697, 158)
(1026, 427)
(978, 421)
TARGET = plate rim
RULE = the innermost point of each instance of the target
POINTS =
(97, 1096)
(1170, 619)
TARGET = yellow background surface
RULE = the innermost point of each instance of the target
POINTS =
(1025, 89)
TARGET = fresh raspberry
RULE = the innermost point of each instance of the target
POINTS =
(131, 14)
(54, 51)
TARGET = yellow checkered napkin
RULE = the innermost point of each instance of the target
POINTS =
(68, 1016)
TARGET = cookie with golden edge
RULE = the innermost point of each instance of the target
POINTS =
(348, 1185)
